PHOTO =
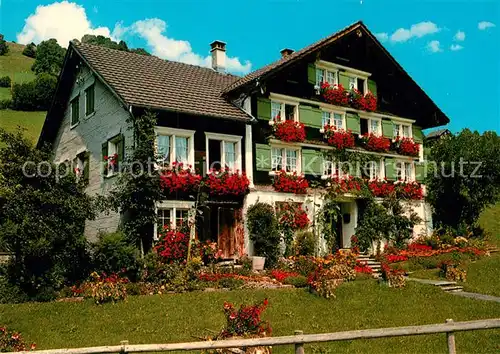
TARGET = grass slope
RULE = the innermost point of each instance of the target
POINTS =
(16, 65)
(32, 122)
(183, 317)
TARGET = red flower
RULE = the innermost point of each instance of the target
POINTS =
(336, 94)
(340, 138)
(381, 188)
(227, 183)
(290, 183)
(374, 142)
(346, 184)
(409, 190)
(289, 131)
(179, 179)
(406, 146)
(366, 102)
(173, 245)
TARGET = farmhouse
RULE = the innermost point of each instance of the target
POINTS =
(282, 126)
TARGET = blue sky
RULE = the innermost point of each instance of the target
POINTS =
(463, 82)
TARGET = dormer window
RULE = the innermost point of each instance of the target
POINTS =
(329, 76)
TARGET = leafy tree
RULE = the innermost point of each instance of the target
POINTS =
(5, 81)
(263, 229)
(30, 50)
(108, 43)
(49, 57)
(42, 214)
(140, 51)
(4, 48)
(463, 178)
(34, 95)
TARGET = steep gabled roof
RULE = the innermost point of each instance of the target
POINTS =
(148, 81)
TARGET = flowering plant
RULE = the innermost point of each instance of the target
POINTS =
(179, 179)
(324, 281)
(281, 275)
(289, 131)
(394, 276)
(103, 288)
(345, 184)
(339, 138)
(366, 102)
(292, 216)
(393, 258)
(173, 244)
(409, 190)
(110, 163)
(370, 102)
(362, 267)
(381, 188)
(406, 146)
(245, 321)
(12, 341)
(227, 183)
(374, 142)
(335, 94)
(290, 183)
(208, 251)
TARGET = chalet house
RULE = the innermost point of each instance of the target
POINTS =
(209, 119)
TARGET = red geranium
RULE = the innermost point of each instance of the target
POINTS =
(409, 190)
(370, 102)
(366, 102)
(374, 142)
(227, 183)
(281, 275)
(173, 245)
(339, 138)
(293, 217)
(381, 188)
(336, 94)
(290, 131)
(406, 146)
(179, 179)
(345, 184)
(245, 320)
(290, 183)
(362, 267)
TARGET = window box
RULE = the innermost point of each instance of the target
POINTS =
(345, 185)
(289, 131)
(366, 102)
(406, 146)
(409, 190)
(335, 94)
(227, 184)
(381, 188)
(180, 180)
(290, 183)
(339, 138)
(376, 143)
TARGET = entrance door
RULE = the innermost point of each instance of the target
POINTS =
(339, 233)
(226, 223)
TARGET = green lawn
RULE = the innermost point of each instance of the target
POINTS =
(16, 65)
(179, 317)
(490, 221)
(31, 121)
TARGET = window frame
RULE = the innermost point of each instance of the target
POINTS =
(173, 206)
(332, 113)
(283, 104)
(173, 133)
(113, 149)
(401, 170)
(71, 111)
(370, 119)
(286, 148)
(225, 138)
(400, 130)
(326, 71)
(90, 87)
(338, 168)
(372, 176)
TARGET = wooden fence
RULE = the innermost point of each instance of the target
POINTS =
(299, 339)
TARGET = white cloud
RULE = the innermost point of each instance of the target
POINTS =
(459, 36)
(455, 47)
(63, 21)
(417, 30)
(153, 30)
(383, 36)
(485, 24)
(434, 46)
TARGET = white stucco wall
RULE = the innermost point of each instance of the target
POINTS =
(108, 121)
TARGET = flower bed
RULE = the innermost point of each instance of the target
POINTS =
(281, 275)
(343, 185)
(362, 267)
(12, 341)
(381, 188)
(180, 180)
(376, 143)
(406, 146)
(339, 138)
(227, 184)
(289, 131)
(290, 183)
(409, 190)
(415, 250)
(393, 276)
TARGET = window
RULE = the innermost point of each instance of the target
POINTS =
(113, 157)
(404, 171)
(171, 217)
(333, 119)
(283, 111)
(353, 84)
(285, 159)
(320, 76)
(375, 126)
(89, 100)
(81, 165)
(223, 151)
(373, 170)
(75, 111)
(331, 78)
(338, 121)
(331, 168)
(326, 76)
(325, 118)
(371, 126)
(174, 145)
(401, 130)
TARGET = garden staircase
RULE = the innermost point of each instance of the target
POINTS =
(370, 262)
(445, 285)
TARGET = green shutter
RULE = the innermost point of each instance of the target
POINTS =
(310, 116)
(420, 171)
(352, 123)
(104, 163)
(86, 166)
(312, 162)
(311, 74)
(418, 136)
(263, 108)
(263, 157)
(387, 128)
(390, 169)
(372, 87)
(344, 80)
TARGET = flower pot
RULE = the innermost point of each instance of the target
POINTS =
(258, 263)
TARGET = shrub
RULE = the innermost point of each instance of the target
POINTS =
(30, 50)
(173, 244)
(324, 282)
(112, 253)
(5, 81)
(133, 288)
(231, 283)
(12, 341)
(10, 294)
(5, 103)
(305, 243)
(298, 281)
(34, 95)
(245, 321)
(4, 48)
(263, 229)
(158, 272)
(393, 276)
(305, 265)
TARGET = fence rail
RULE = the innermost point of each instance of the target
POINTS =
(298, 339)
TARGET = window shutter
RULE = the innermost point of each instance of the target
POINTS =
(263, 108)
(310, 116)
(104, 163)
(372, 87)
(387, 128)
(311, 74)
(263, 157)
(418, 136)
(312, 162)
(420, 172)
(86, 166)
(352, 123)
(344, 80)
(390, 169)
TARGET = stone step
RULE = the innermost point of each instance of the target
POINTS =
(452, 288)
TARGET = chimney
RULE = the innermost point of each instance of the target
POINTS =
(286, 52)
(218, 50)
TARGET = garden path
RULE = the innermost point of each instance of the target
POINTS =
(453, 288)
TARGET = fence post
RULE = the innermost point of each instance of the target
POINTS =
(451, 339)
(123, 343)
(299, 347)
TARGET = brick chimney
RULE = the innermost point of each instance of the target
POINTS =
(286, 52)
(218, 50)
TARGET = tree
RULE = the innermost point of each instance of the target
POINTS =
(140, 51)
(43, 209)
(263, 229)
(463, 178)
(4, 48)
(108, 43)
(30, 50)
(34, 95)
(49, 58)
